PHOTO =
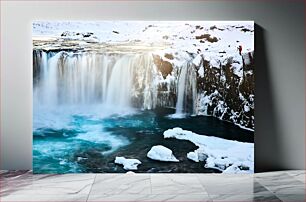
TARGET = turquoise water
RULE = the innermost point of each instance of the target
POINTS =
(90, 144)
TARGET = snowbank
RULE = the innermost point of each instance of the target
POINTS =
(197, 155)
(128, 164)
(229, 36)
(161, 153)
(226, 155)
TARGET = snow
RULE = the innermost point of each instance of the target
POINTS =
(229, 36)
(243, 127)
(251, 97)
(197, 155)
(202, 104)
(241, 97)
(237, 69)
(246, 58)
(128, 164)
(221, 108)
(161, 153)
(246, 108)
(201, 72)
(214, 61)
(197, 60)
(204, 101)
(193, 156)
(233, 169)
(226, 155)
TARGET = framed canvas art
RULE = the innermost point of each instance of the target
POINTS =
(143, 96)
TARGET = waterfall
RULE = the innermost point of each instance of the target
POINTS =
(186, 91)
(49, 78)
(120, 83)
(117, 81)
(181, 90)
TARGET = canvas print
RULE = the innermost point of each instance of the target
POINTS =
(143, 96)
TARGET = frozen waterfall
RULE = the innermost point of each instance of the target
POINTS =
(186, 91)
(92, 78)
(114, 80)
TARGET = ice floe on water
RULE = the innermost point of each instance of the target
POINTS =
(226, 155)
(161, 153)
(197, 155)
(128, 164)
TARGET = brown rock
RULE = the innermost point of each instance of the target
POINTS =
(208, 37)
(164, 67)
(169, 56)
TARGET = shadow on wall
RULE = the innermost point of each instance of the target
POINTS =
(267, 134)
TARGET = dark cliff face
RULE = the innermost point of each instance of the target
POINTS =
(224, 94)
(224, 90)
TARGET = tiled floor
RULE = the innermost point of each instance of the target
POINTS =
(272, 186)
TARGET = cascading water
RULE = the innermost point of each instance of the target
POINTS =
(91, 78)
(120, 83)
(116, 81)
(181, 85)
(186, 91)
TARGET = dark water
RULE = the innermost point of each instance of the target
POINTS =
(91, 145)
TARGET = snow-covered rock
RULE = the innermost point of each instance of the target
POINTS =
(226, 155)
(197, 155)
(234, 81)
(197, 60)
(193, 156)
(233, 169)
(201, 72)
(161, 153)
(128, 164)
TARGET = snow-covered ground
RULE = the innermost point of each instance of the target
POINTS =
(215, 38)
(226, 155)
(161, 153)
